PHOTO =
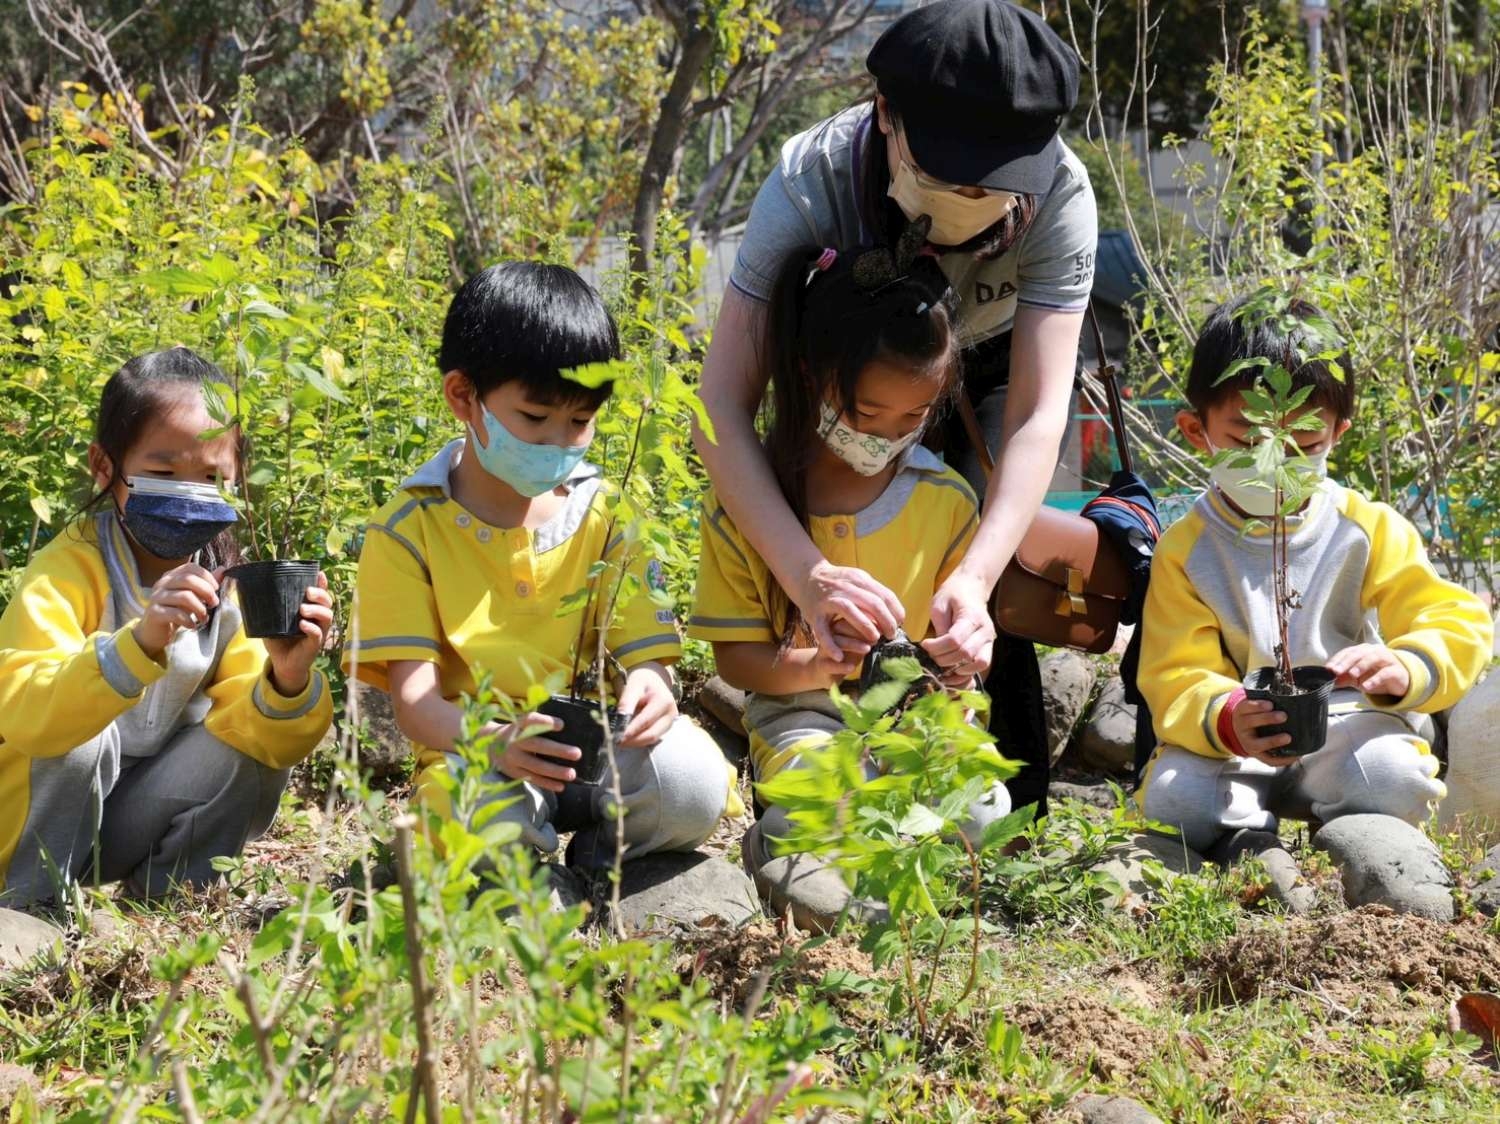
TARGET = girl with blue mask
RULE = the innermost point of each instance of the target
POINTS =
(142, 733)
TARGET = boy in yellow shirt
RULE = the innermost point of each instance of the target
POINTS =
(1402, 642)
(464, 570)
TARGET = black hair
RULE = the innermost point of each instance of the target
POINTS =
(822, 330)
(1292, 332)
(528, 322)
(885, 219)
(135, 394)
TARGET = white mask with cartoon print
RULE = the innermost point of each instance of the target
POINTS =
(866, 453)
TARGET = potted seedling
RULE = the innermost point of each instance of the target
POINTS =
(1277, 412)
(273, 587)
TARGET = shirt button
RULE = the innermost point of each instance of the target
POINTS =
(483, 534)
(463, 520)
(523, 589)
(840, 530)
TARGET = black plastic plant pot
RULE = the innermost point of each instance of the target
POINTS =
(874, 670)
(583, 727)
(1306, 708)
(271, 595)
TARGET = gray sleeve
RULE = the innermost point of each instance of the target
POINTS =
(779, 225)
(1056, 266)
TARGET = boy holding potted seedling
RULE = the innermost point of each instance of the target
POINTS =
(1295, 634)
(464, 573)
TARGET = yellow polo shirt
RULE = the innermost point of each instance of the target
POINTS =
(910, 539)
(438, 584)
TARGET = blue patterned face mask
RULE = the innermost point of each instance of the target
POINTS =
(174, 518)
(530, 469)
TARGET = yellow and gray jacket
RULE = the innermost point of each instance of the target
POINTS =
(1362, 576)
(70, 667)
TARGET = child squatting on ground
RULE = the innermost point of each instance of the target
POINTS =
(463, 572)
(861, 359)
(142, 733)
(1402, 641)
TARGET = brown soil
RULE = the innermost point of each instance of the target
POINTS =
(733, 961)
(1086, 1031)
(1346, 957)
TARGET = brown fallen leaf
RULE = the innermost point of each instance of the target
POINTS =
(1478, 1013)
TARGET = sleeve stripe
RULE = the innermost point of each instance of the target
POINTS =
(727, 622)
(114, 669)
(947, 554)
(404, 541)
(959, 486)
(713, 521)
(1034, 303)
(399, 642)
(661, 640)
(258, 697)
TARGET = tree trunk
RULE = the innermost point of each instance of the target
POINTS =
(666, 140)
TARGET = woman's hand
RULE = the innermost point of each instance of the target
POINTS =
(647, 698)
(965, 637)
(181, 598)
(292, 657)
(847, 610)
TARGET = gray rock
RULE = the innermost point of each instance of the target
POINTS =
(733, 745)
(1095, 795)
(1484, 883)
(1123, 636)
(23, 938)
(725, 703)
(1096, 1109)
(1287, 884)
(1067, 682)
(1473, 776)
(1126, 863)
(1107, 740)
(1386, 861)
(667, 890)
(384, 751)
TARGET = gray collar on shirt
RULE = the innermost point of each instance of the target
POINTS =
(915, 462)
(582, 485)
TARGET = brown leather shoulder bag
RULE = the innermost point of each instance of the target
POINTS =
(1067, 584)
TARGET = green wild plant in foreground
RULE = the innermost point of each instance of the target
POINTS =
(900, 835)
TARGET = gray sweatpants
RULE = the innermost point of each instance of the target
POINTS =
(1372, 762)
(100, 814)
(782, 727)
(673, 793)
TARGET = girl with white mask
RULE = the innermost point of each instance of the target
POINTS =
(963, 131)
(864, 358)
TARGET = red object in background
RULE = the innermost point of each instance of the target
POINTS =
(1094, 437)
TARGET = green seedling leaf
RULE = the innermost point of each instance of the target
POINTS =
(177, 281)
(595, 375)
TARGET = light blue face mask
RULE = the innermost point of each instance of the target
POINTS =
(529, 469)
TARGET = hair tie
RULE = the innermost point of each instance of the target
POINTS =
(826, 259)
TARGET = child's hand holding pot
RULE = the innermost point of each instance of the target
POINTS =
(647, 698)
(1247, 718)
(181, 598)
(537, 759)
(292, 657)
(1373, 668)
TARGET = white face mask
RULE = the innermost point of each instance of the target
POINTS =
(1243, 486)
(866, 453)
(955, 218)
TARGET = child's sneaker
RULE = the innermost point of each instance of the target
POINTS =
(814, 892)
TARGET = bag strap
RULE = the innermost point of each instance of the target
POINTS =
(1105, 374)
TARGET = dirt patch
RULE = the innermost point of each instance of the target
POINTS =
(733, 960)
(1086, 1031)
(1345, 956)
